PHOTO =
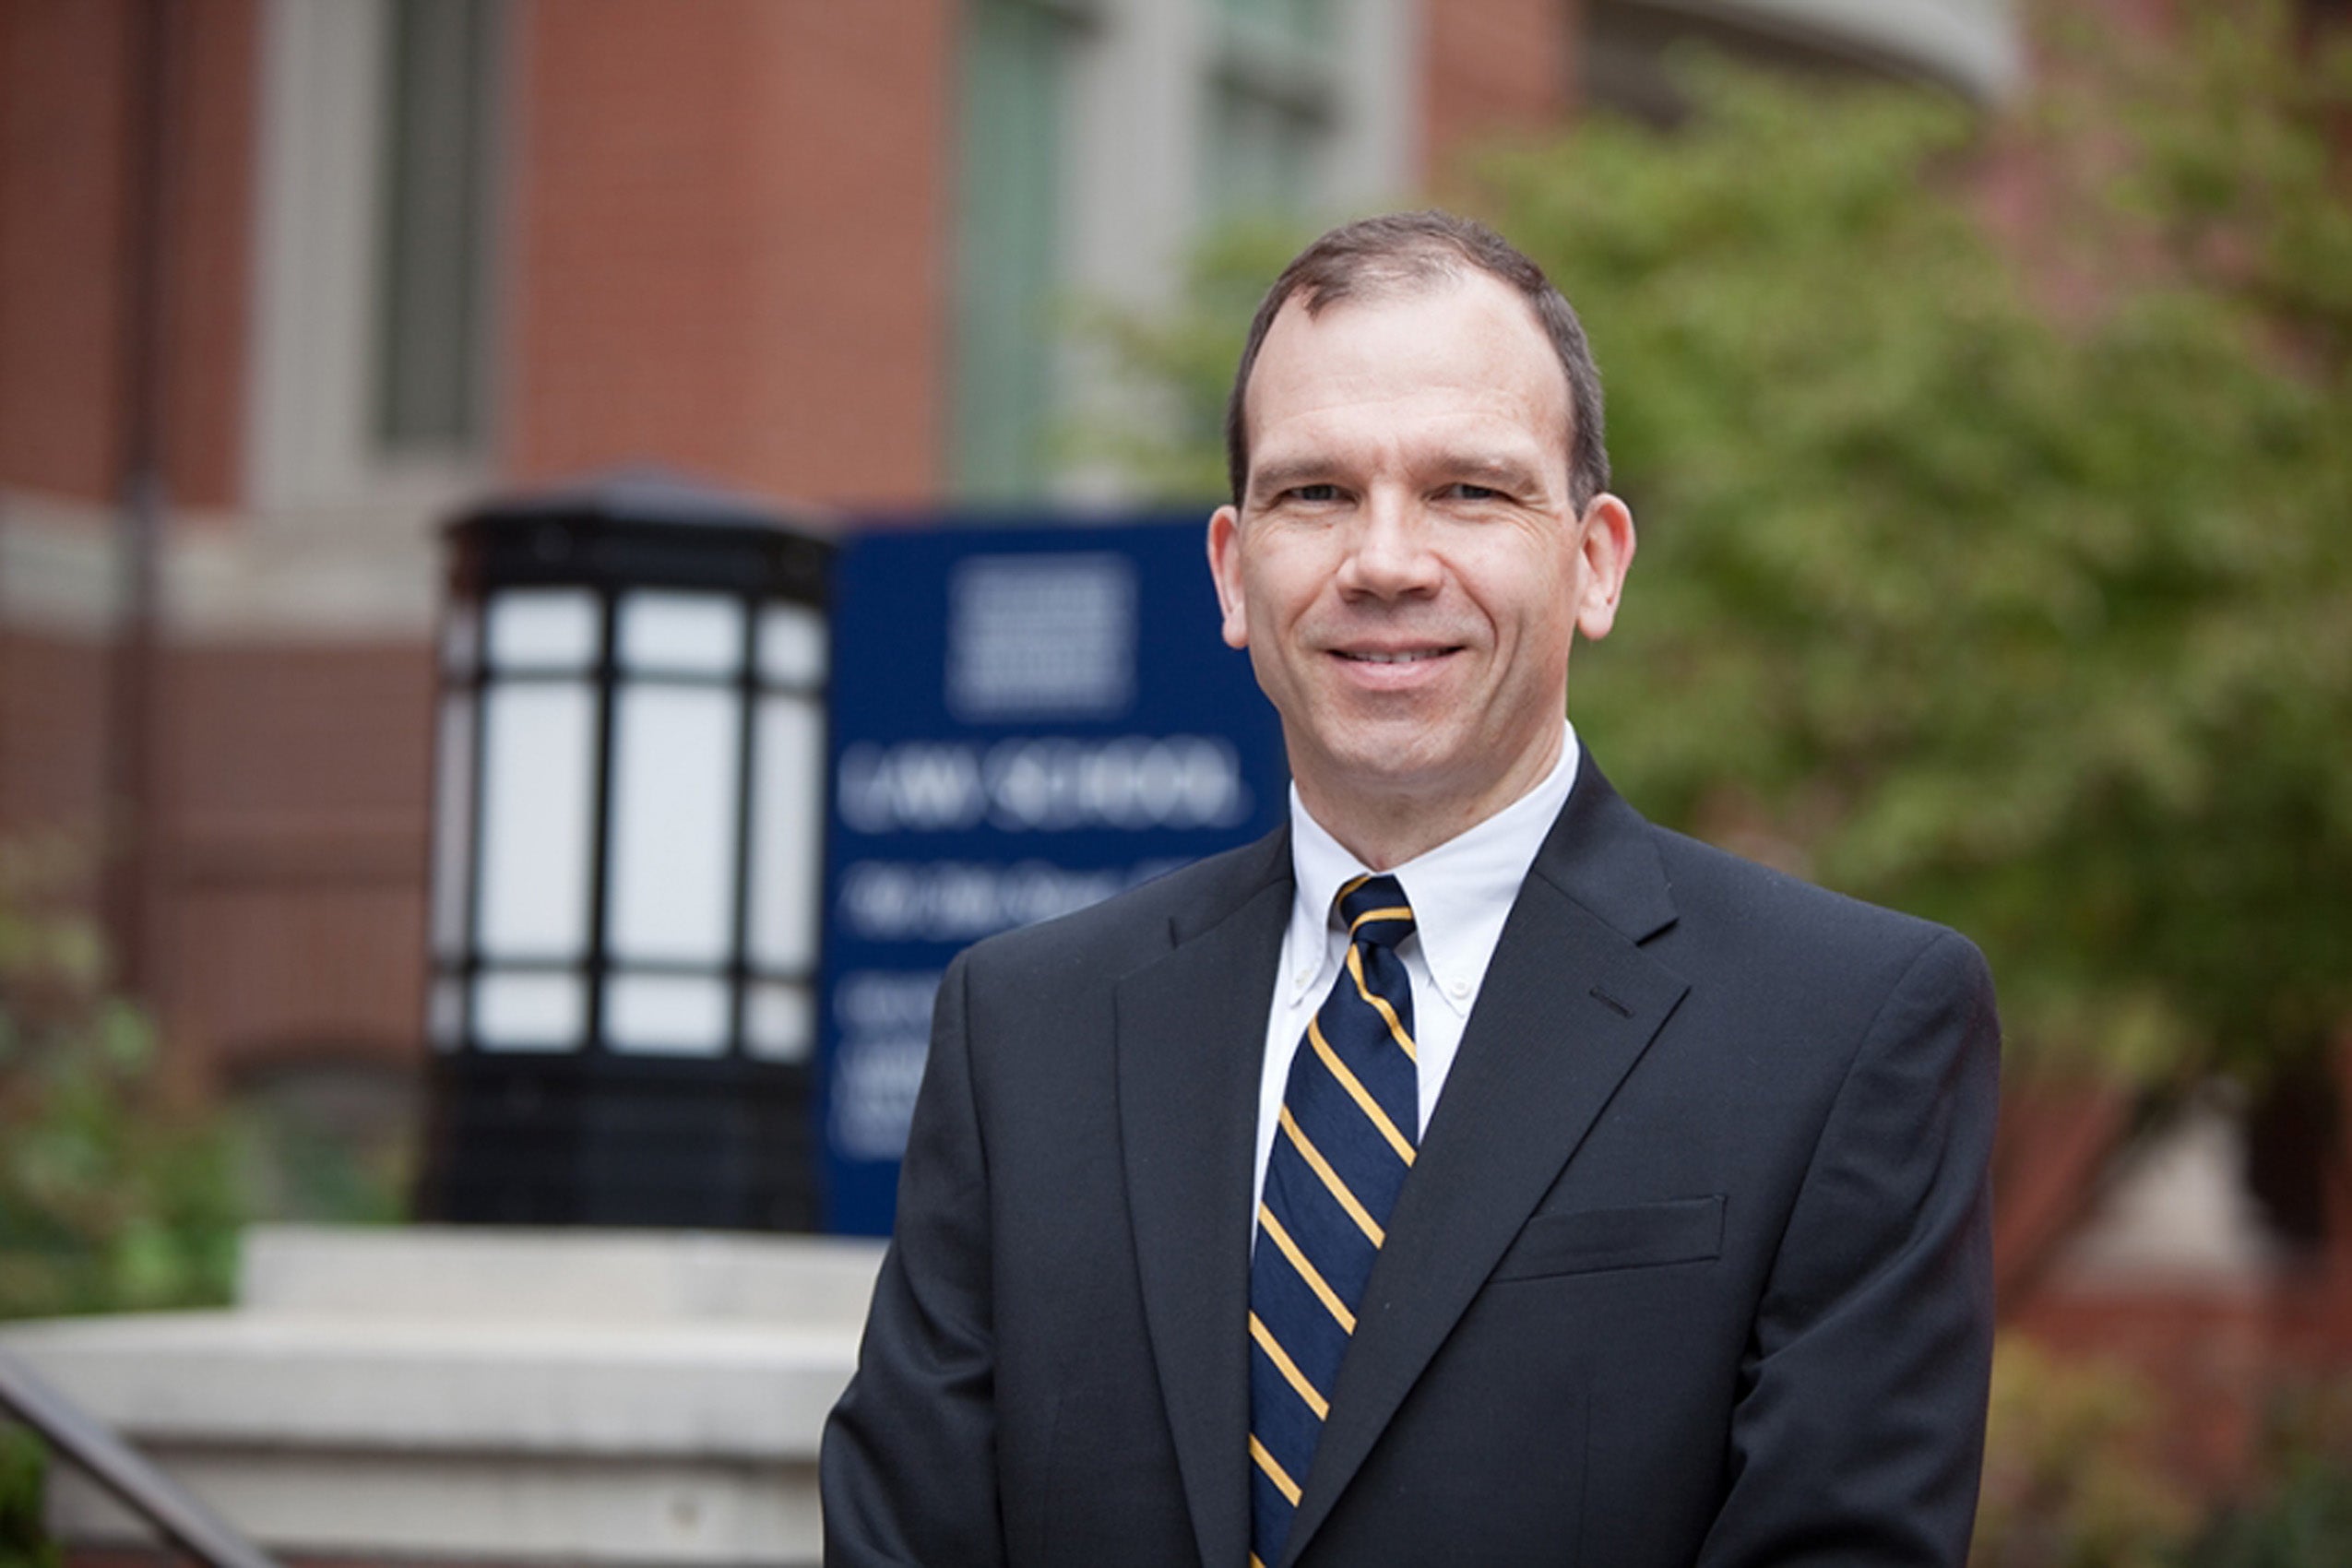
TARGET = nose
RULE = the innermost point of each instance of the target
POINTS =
(1388, 552)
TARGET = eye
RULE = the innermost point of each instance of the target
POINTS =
(1312, 492)
(1472, 493)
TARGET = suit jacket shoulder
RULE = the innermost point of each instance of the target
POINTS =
(1741, 902)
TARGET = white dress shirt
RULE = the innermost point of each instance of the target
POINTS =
(1461, 893)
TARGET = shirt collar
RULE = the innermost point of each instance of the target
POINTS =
(1461, 891)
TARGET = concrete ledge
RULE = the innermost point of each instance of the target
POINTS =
(344, 1507)
(643, 1388)
(494, 1394)
(574, 1276)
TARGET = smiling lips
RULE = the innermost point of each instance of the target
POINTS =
(1395, 670)
(1396, 655)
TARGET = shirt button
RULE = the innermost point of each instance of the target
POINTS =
(1458, 986)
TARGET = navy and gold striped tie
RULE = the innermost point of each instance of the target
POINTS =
(1350, 1120)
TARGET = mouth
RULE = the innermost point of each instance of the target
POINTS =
(1399, 656)
(1389, 673)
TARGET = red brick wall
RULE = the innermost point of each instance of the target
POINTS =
(733, 255)
(51, 696)
(294, 879)
(290, 837)
(1491, 66)
(63, 64)
(210, 239)
(66, 124)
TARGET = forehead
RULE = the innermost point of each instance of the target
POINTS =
(1466, 350)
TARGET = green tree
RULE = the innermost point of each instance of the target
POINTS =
(2001, 575)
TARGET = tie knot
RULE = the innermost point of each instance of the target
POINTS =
(1374, 910)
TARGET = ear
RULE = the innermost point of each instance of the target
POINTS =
(1225, 566)
(1605, 552)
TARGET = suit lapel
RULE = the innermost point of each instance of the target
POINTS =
(1190, 1034)
(1568, 1005)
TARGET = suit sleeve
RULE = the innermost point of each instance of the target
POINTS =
(1859, 1432)
(907, 1469)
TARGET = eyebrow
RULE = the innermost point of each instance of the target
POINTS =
(1472, 468)
(1509, 473)
(1275, 477)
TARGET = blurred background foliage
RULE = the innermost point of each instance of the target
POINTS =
(110, 1196)
(116, 1194)
(1994, 556)
(2299, 1514)
(2075, 1474)
(25, 1541)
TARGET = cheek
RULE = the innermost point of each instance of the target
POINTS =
(1528, 596)
(1271, 621)
(1279, 587)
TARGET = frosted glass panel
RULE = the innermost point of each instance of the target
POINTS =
(791, 646)
(779, 1022)
(444, 1010)
(788, 772)
(685, 634)
(676, 753)
(666, 1015)
(557, 629)
(539, 766)
(453, 803)
(529, 1012)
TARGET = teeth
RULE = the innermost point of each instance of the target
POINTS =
(1395, 658)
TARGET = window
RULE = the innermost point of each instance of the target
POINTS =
(1100, 139)
(372, 303)
(435, 166)
(1010, 240)
(1272, 106)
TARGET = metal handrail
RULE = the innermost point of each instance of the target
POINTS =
(124, 1470)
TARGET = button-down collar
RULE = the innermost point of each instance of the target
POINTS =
(1461, 891)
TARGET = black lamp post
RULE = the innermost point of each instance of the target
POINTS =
(628, 822)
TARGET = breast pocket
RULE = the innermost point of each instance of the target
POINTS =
(1639, 1236)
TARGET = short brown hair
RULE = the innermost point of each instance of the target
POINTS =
(1407, 250)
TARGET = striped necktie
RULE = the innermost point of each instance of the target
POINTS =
(1350, 1119)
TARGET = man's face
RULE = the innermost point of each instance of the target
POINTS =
(1405, 567)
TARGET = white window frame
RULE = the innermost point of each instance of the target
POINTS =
(311, 440)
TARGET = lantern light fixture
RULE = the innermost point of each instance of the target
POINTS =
(628, 821)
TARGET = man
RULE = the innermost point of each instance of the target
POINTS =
(1576, 1193)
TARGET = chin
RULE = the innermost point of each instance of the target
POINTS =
(1396, 766)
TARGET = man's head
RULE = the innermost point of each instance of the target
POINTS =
(1413, 548)
(1404, 251)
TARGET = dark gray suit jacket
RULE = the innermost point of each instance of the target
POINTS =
(1693, 1266)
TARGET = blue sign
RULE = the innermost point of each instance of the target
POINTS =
(1025, 721)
